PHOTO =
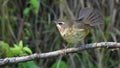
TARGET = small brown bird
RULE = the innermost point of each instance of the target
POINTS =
(73, 31)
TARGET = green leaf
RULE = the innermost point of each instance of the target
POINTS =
(59, 64)
(29, 64)
(26, 11)
(35, 5)
(4, 48)
(28, 50)
(21, 44)
(19, 50)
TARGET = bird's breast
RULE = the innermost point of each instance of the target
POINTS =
(74, 35)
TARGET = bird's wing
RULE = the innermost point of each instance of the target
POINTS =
(81, 26)
(90, 16)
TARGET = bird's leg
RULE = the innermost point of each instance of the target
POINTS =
(65, 47)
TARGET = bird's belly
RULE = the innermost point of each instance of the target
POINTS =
(75, 37)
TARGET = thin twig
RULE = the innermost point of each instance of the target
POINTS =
(59, 52)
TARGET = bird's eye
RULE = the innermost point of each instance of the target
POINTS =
(60, 23)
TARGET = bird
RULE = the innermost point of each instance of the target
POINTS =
(74, 31)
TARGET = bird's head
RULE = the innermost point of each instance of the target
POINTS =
(61, 25)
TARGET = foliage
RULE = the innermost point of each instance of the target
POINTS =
(34, 5)
(29, 64)
(59, 64)
(17, 50)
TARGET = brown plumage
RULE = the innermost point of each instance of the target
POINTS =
(73, 31)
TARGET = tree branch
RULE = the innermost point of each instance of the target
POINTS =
(59, 52)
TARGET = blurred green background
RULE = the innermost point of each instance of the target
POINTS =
(32, 22)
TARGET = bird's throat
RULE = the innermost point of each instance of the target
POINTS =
(68, 31)
(59, 28)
